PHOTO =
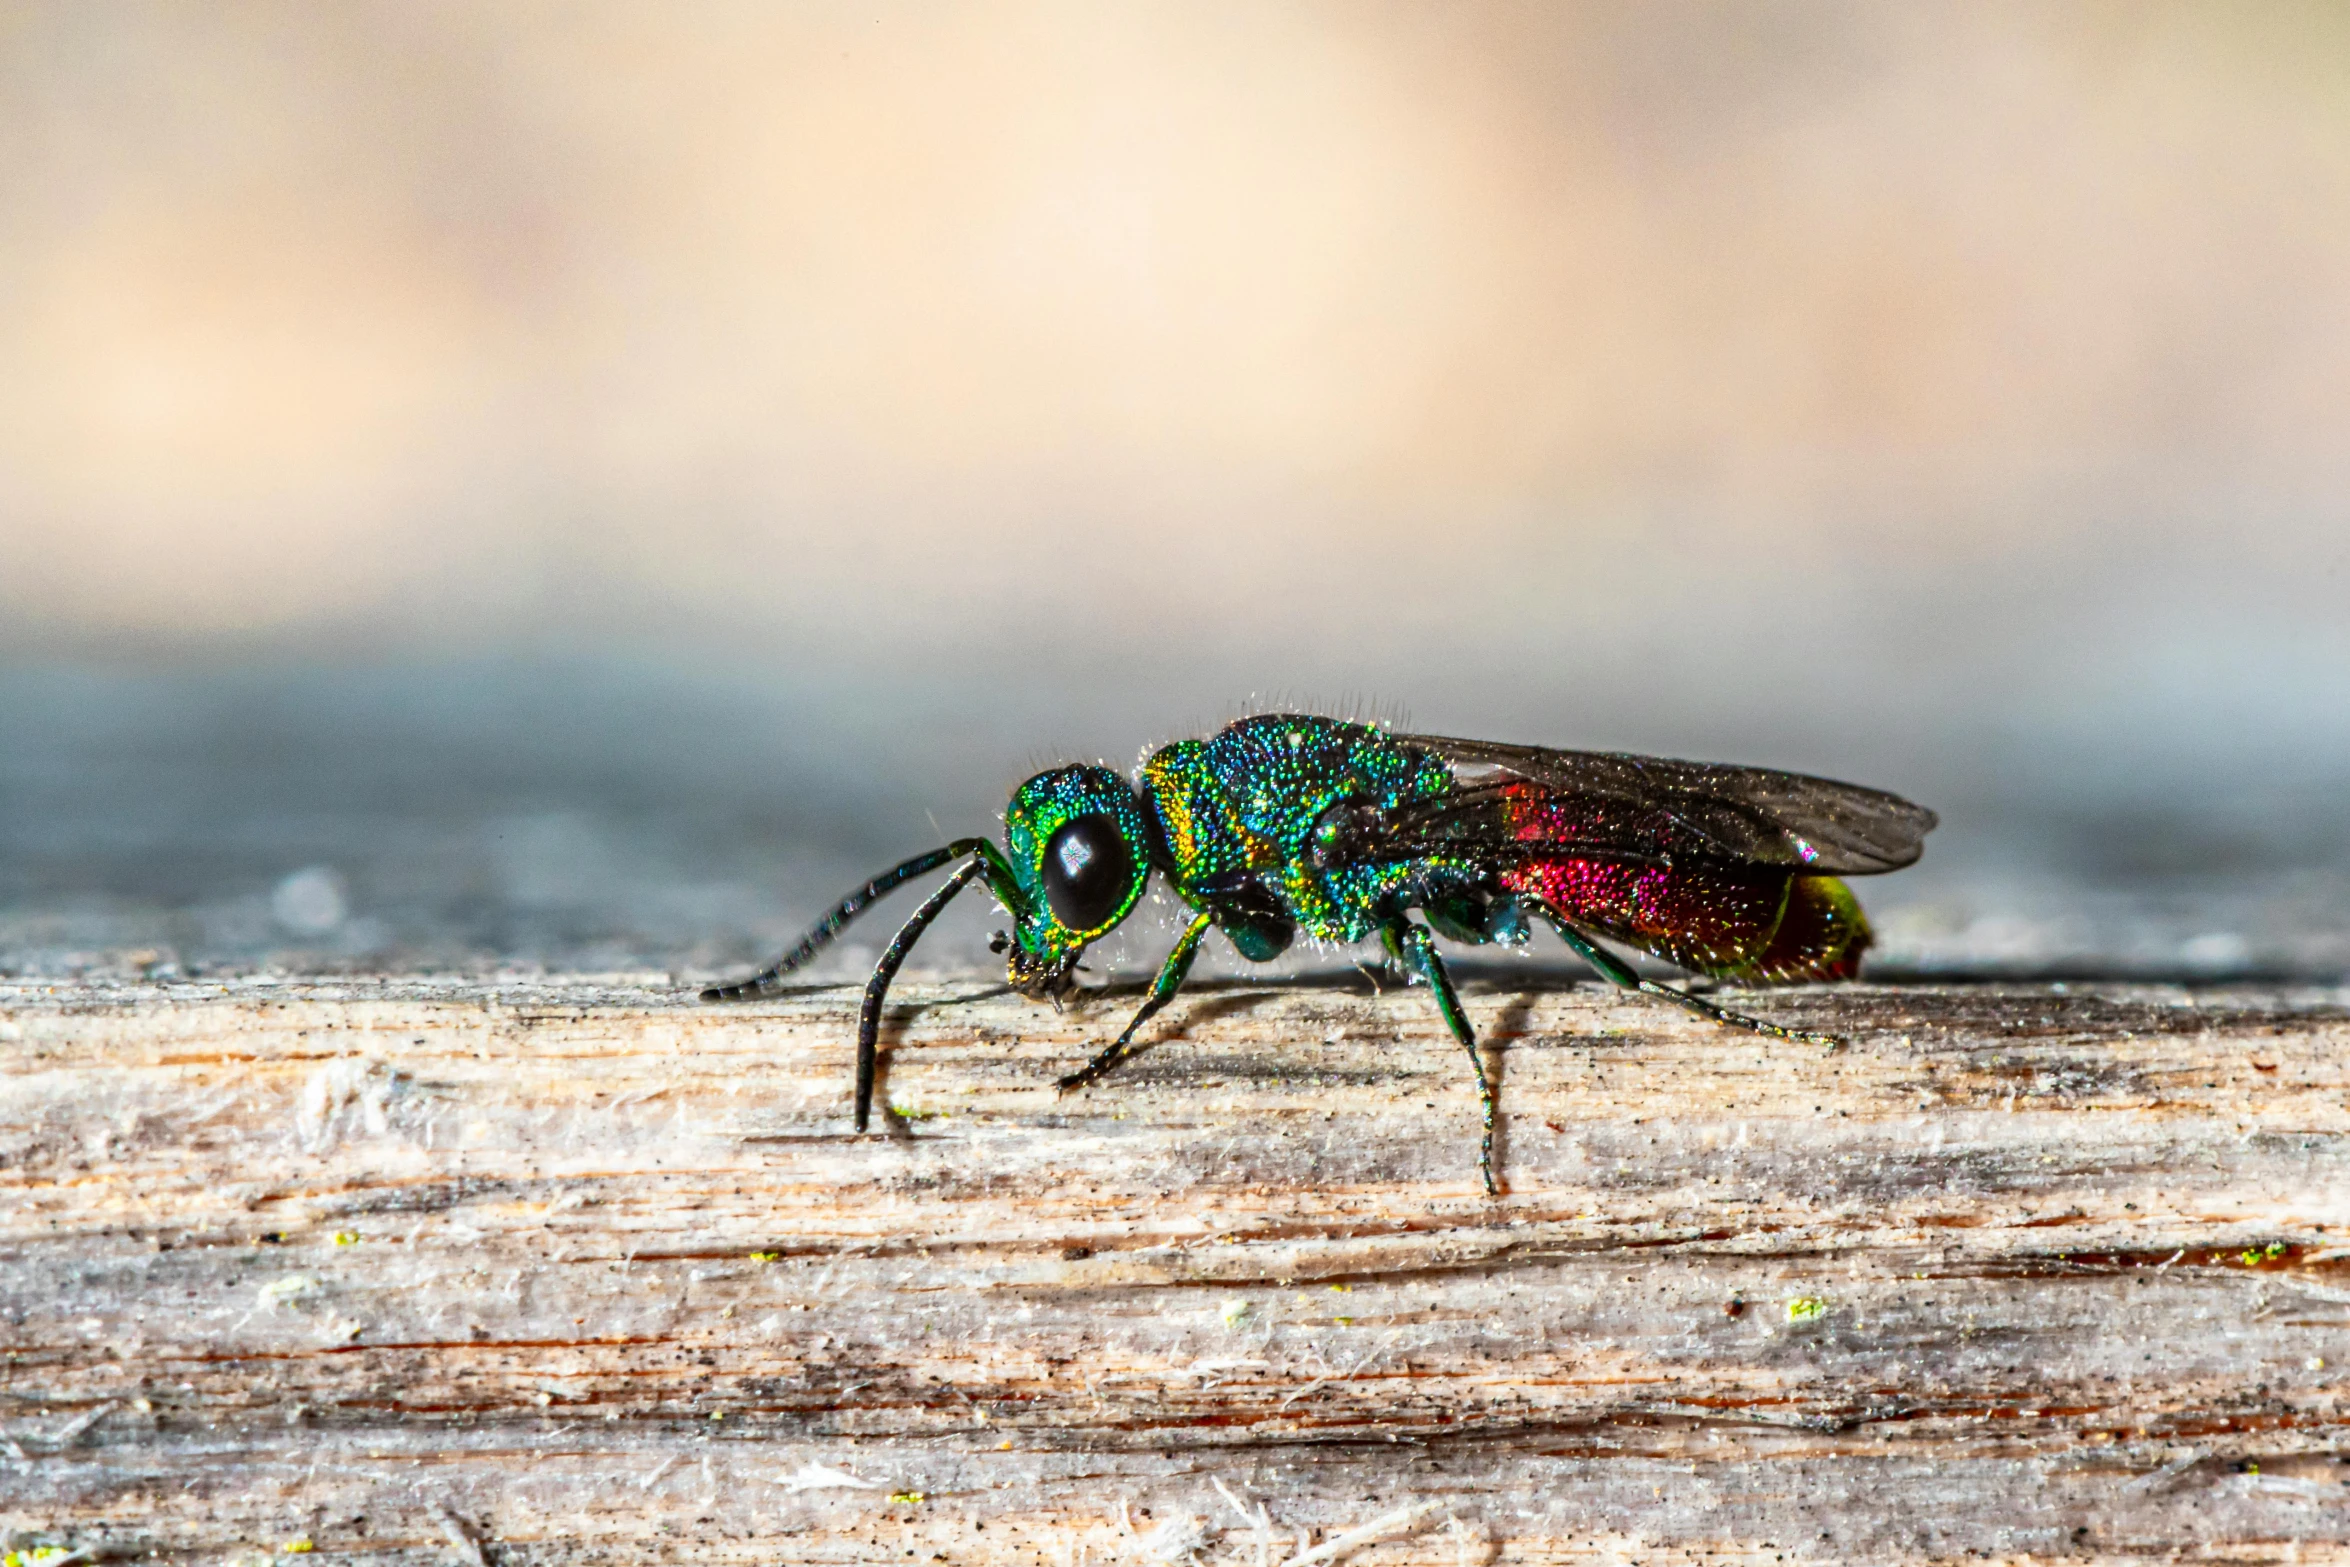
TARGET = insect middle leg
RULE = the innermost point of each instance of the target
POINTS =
(1170, 980)
(1416, 947)
(1617, 971)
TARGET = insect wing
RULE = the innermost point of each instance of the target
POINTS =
(1523, 801)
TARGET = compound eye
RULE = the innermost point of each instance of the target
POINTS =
(1087, 871)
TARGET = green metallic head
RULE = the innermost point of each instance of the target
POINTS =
(1076, 859)
(1079, 849)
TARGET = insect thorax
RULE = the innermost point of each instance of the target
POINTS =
(1238, 815)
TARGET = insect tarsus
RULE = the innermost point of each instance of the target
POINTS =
(1284, 825)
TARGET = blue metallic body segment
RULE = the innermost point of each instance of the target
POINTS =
(1240, 815)
(1288, 824)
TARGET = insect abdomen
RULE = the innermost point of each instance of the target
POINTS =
(1820, 936)
(1730, 921)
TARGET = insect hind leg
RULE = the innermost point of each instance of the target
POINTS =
(1616, 971)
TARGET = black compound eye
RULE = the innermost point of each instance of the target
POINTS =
(1087, 871)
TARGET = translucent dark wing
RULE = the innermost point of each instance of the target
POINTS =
(1523, 801)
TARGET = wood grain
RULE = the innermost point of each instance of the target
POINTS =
(578, 1270)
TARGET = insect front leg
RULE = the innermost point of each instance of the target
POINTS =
(1417, 949)
(1616, 971)
(1170, 980)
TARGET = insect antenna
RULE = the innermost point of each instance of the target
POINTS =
(876, 988)
(846, 910)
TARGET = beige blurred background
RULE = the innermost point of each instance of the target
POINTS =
(422, 418)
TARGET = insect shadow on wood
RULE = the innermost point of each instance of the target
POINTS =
(1286, 825)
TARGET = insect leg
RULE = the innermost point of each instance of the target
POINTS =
(1617, 971)
(1163, 990)
(1417, 948)
(876, 988)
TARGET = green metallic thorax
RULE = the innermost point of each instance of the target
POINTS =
(1237, 815)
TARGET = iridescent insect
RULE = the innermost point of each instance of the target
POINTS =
(1286, 825)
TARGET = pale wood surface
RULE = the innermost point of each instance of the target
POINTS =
(571, 1271)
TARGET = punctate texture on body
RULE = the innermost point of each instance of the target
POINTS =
(1289, 825)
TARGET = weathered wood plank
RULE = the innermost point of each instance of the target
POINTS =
(557, 1271)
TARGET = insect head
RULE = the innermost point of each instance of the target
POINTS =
(1077, 858)
(1079, 847)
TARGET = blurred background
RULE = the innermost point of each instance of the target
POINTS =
(580, 485)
